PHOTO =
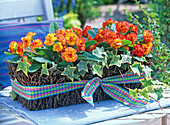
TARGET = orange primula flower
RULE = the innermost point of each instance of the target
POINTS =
(147, 48)
(132, 37)
(61, 39)
(71, 38)
(107, 22)
(49, 39)
(147, 36)
(37, 43)
(20, 49)
(134, 28)
(31, 34)
(122, 27)
(70, 54)
(110, 36)
(13, 46)
(26, 41)
(60, 31)
(121, 36)
(57, 47)
(77, 31)
(80, 43)
(138, 51)
(26, 59)
(85, 29)
(116, 43)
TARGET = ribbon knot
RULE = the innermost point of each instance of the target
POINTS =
(114, 91)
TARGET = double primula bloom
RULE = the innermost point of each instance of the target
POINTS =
(68, 42)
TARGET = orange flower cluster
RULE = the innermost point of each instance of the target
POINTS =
(138, 51)
(108, 22)
(19, 47)
(70, 54)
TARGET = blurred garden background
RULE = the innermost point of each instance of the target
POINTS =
(147, 14)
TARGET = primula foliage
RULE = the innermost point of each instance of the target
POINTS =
(75, 52)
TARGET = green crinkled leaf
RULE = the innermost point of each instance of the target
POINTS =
(34, 67)
(146, 82)
(91, 33)
(89, 43)
(144, 93)
(126, 42)
(88, 56)
(99, 52)
(96, 69)
(104, 62)
(8, 53)
(104, 44)
(64, 64)
(126, 59)
(159, 92)
(41, 60)
(137, 68)
(77, 77)
(95, 30)
(23, 66)
(13, 95)
(82, 65)
(54, 67)
(53, 27)
(44, 69)
(116, 61)
(147, 70)
(133, 93)
(69, 72)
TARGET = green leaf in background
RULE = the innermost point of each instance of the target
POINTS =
(82, 65)
(144, 92)
(126, 58)
(159, 92)
(34, 67)
(23, 66)
(13, 95)
(96, 69)
(137, 68)
(146, 82)
(53, 27)
(91, 33)
(44, 69)
(126, 42)
(54, 67)
(8, 53)
(113, 27)
(69, 72)
(99, 52)
(89, 43)
(115, 61)
(133, 93)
